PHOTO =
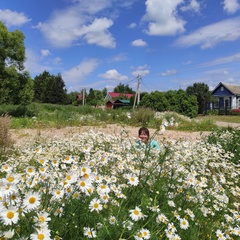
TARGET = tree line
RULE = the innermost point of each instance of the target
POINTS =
(17, 87)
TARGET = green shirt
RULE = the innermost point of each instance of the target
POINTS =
(153, 144)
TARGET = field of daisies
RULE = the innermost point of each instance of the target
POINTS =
(102, 186)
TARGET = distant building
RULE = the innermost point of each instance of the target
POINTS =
(118, 103)
(227, 95)
(111, 96)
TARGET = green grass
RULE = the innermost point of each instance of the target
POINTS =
(220, 118)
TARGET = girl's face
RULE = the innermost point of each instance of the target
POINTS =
(144, 137)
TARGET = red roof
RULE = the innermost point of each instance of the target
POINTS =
(116, 95)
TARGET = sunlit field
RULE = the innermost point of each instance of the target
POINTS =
(102, 186)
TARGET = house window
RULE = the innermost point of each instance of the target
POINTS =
(222, 89)
(216, 104)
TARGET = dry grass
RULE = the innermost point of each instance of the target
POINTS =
(5, 137)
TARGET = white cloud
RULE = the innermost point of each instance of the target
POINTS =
(77, 74)
(132, 25)
(12, 18)
(193, 6)
(231, 6)
(72, 25)
(33, 64)
(45, 53)
(97, 33)
(141, 71)
(119, 58)
(162, 17)
(169, 72)
(209, 36)
(113, 74)
(139, 43)
(223, 60)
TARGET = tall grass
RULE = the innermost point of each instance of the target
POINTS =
(38, 115)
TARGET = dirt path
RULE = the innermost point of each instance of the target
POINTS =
(23, 137)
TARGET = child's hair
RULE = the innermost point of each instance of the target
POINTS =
(144, 130)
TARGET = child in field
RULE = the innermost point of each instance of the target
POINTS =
(144, 138)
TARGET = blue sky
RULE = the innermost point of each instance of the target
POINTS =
(101, 43)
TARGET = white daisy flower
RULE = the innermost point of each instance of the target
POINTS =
(42, 233)
(184, 223)
(9, 215)
(31, 201)
(89, 232)
(136, 214)
(95, 205)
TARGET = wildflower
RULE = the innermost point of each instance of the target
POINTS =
(30, 170)
(89, 232)
(95, 205)
(112, 220)
(136, 214)
(220, 235)
(7, 234)
(41, 234)
(128, 224)
(6, 168)
(184, 223)
(31, 201)
(143, 234)
(9, 216)
(161, 218)
(58, 194)
(42, 219)
(133, 180)
(155, 208)
(171, 203)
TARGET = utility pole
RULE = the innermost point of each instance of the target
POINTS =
(83, 96)
(137, 95)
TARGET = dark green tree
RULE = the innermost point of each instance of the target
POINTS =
(50, 89)
(15, 87)
(121, 88)
(177, 101)
(95, 98)
(12, 49)
(203, 95)
(15, 84)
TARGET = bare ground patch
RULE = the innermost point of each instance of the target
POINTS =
(23, 137)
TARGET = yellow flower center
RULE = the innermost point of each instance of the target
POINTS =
(40, 236)
(10, 179)
(95, 205)
(32, 200)
(10, 215)
(82, 184)
(136, 212)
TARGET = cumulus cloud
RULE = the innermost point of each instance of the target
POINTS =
(132, 25)
(139, 43)
(113, 74)
(192, 6)
(211, 35)
(231, 6)
(141, 71)
(77, 74)
(45, 53)
(33, 64)
(83, 22)
(169, 72)
(162, 17)
(12, 18)
(76, 23)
